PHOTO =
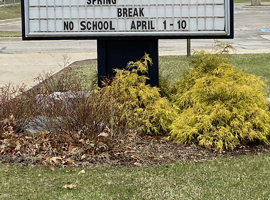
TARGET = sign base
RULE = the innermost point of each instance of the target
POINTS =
(114, 54)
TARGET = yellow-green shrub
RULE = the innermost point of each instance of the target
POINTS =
(221, 107)
(127, 102)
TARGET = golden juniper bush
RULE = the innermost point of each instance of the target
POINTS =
(132, 104)
(220, 106)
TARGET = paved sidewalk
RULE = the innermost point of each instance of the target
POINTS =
(9, 4)
(23, 68)
(11, 25)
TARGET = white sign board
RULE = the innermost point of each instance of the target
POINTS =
(107, 18)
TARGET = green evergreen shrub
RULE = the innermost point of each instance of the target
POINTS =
(220, 106)
(127, 102)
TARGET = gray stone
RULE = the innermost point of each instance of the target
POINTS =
(47, 101)
(33, 126)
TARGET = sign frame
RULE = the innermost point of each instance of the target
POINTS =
(144, 36)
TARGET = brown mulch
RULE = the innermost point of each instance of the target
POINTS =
(76, 150)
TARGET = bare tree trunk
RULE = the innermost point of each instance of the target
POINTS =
(256, 2)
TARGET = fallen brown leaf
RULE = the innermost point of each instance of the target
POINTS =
(69, 186)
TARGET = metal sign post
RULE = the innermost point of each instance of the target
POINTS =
(188, 47)
(128, 27)
(117, 53)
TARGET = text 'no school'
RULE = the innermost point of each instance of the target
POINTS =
(121, 12)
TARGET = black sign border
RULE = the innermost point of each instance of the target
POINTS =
(230, 36)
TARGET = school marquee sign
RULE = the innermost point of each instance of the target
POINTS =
(94, 19)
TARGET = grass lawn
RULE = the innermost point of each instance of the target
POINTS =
(244, 177)
(10, 34)
(10, 12)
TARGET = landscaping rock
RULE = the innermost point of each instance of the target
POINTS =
(32, 126)
(46, 101)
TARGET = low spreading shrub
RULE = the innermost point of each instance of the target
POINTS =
(14, 104)
(129, 103)
(220, 106)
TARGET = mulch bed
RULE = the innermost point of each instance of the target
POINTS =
(59, 150)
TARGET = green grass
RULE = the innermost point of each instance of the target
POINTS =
(244, 177)
(10, 33)
(10, 12)
(85, 73)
